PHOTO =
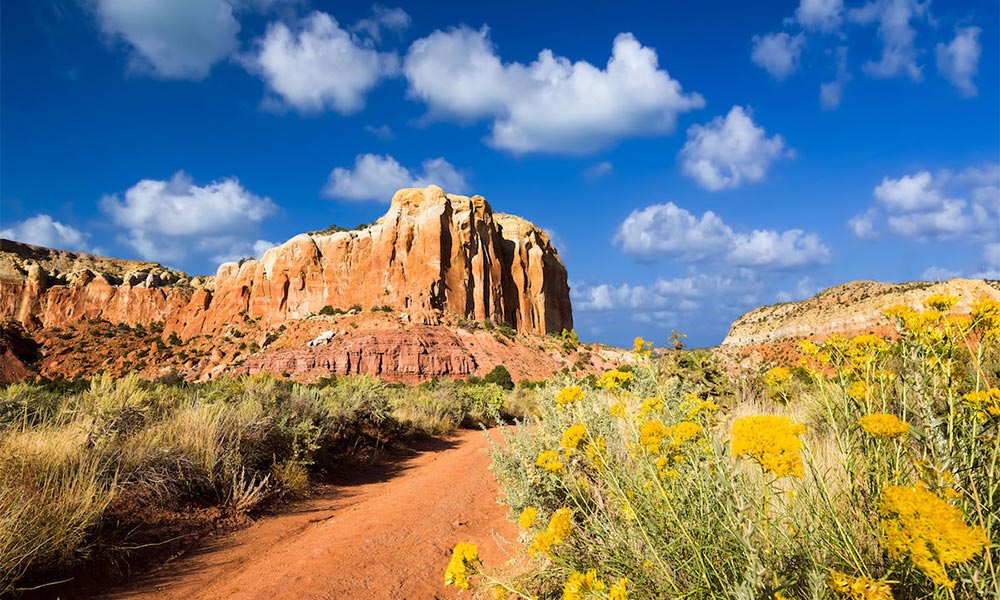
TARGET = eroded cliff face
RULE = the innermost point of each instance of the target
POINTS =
(432, 253)
(41, 287)
(433, 259)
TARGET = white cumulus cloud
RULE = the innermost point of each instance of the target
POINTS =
(777, 53)
(824, 15)
(319, 65)
(899, 53)
(939, 206)
(666, 230)
(43, 230)
(551, 105)
(172, 39)
(392, 19)
(172, 221)
(730, 151)
(832, 92)
(684, 293)
(958, 61)
(599, 170)
(376, 178)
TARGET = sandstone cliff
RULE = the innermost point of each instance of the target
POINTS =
(847, 309)
(431, 253)
(433, 258)
(41, 287)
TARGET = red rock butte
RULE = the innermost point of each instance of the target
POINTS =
(431, 252)
(432, 257)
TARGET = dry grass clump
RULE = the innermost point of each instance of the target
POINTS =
(869, 471)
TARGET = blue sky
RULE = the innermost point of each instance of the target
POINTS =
(692, 160)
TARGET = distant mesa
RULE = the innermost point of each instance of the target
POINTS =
(850, 309)
(434, 258)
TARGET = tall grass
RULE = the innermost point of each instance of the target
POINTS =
(70, 460)
(870, 470)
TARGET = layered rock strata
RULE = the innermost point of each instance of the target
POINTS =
(433, 258)
(431, 253)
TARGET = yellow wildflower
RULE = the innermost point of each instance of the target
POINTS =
(651, 434)
(858, 588)
(613, 379)
(941, 302)
(695, 405)
(572, 436)
(664, 469)
(617, 410)
(650, 405)
(683, 432)
(918, 524)
(772, 441)
(809, 347)
(986, 318)
(527, 518)
(462, 556)
(884, 425)
(499, 592)
(867, 343)
(579, 584)
(777, 376)
(549, 460)
(641, 347)
(858, 391)
(986, 403)
(554, 534)
(619, 590)
(569, 395)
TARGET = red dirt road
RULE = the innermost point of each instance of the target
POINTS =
(387, 535)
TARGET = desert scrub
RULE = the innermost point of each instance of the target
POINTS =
(75, 463)
(875, 474)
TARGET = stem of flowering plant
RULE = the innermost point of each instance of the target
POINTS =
(859, 562)
(619, 490)
(985, 525)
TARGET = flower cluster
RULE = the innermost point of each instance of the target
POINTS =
(649, 406)
(641, 347)
(580, 584)
(777, 376)
(527, 518)
(614, 379)
(772, 441)
(986, 403)
(549, 460)
(985, 316)
(568, 395)
(651, 434)
(884, 425)
(858, 588)
(558, 529)
(462, 556)
(572, 436)
(918, 524)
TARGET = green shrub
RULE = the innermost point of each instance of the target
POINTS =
(500, 376)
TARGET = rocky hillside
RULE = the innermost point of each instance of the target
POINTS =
(770, 334)
(408, 298)
(848, 309)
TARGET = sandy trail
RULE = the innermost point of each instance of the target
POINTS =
(388, 534)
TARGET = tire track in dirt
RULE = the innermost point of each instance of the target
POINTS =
(386, 534)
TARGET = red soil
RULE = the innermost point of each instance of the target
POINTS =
(387, 533)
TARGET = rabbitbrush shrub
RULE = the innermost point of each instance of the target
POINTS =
(876, 476)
